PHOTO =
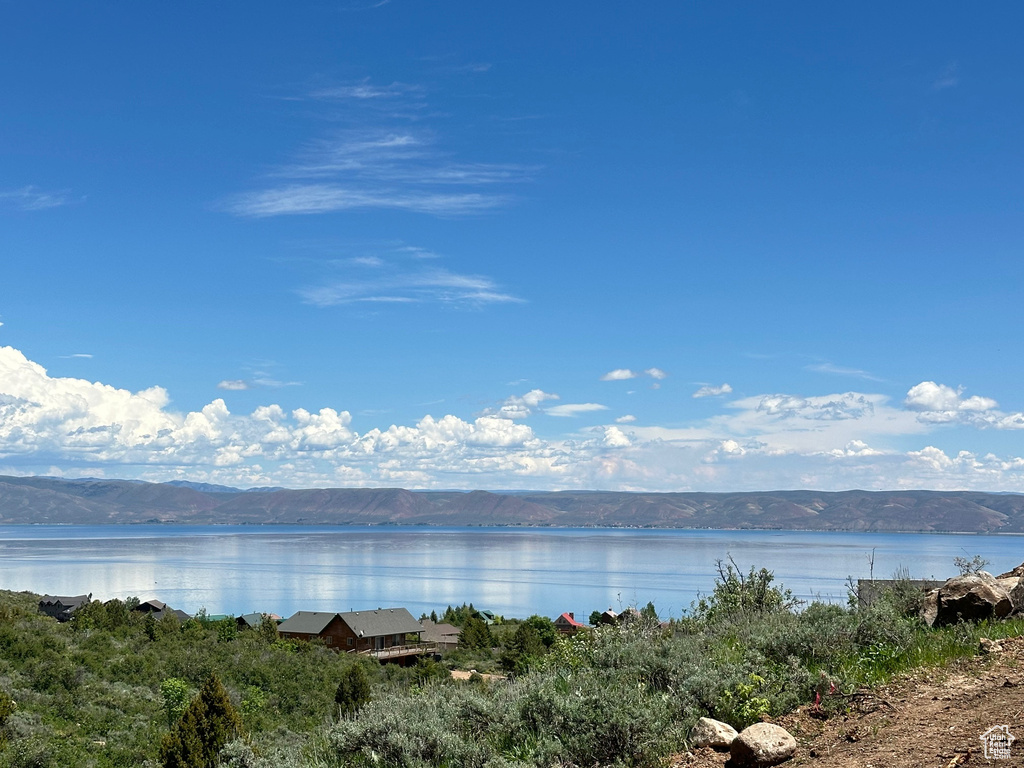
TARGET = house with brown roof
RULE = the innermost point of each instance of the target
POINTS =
(445, 635)
(379, 633)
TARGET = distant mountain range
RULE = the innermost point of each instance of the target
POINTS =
(96, 501)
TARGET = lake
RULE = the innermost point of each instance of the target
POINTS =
(512, 571)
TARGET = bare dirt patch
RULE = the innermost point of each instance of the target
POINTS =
(462, 674)
(930, 719)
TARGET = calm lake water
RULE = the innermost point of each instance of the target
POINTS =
(512, 571)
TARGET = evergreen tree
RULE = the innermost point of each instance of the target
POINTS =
(353, 690)
(476, 634)
(208, 723)
(522, 649)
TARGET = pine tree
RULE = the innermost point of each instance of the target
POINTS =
(208, 723)
(475, 634)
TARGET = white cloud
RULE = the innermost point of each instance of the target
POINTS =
(941, 404)
(624, 374)
(73, 427)
(233, 385)
(520, 406)
(574, 409)
(616, 438)
(626, 419)
(709, 391)
(620, 374)
(929, 396)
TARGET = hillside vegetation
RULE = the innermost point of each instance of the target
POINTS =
(52, 500)
(106, 688)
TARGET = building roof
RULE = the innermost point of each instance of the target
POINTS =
(383, 621)
(152, 606)
(565, 618)
(307, 622)
(67, 602)
(439, 633)
(255, 619)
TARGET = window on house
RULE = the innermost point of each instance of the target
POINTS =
(350, 641)
(329, 640)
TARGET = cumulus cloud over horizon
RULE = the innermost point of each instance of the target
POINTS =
(51, 425)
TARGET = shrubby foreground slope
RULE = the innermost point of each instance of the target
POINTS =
(100, 690)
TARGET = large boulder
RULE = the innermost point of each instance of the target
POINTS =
(967, 598)
(1018, 572)
(760, 745)
(712, 733)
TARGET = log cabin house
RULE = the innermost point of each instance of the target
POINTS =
(380, 633)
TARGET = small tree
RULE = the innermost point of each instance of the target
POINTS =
(969, 567)
(476, 634)
(353, 690)
(268, 629)
(595, 618)
(174, 692)
(736, 593)
(206, 725)
(522, 649)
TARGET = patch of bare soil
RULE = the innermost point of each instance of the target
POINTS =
(462, 674)
(929, 719)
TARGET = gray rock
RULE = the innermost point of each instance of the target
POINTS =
(971, 598)
(1016, 594)
(990, 646)
(930, 607)
(712, 733)
(1018, 572)
(762, 744)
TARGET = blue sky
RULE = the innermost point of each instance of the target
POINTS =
(682, 246)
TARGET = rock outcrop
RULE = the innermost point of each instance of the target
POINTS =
(967, 598)
(761, 745)
(712, 733)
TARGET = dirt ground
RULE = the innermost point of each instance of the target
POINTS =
(931, 719)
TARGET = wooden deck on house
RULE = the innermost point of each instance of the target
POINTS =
(401, 651)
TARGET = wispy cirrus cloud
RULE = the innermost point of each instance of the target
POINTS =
(839, 370)
(387, 282)
(389, 158)
(948, 78)
(570, 410)
(365, 89)
(31, 198)
(326, 198)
